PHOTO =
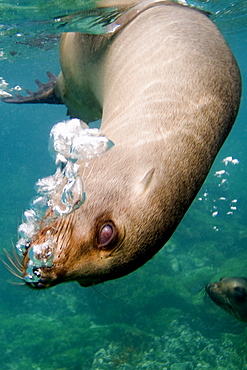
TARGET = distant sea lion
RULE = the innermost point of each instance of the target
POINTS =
(168, 89)
(230, 293)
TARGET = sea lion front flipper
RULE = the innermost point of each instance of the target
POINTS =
(45, 94)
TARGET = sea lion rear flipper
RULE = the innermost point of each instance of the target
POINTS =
(45, 94)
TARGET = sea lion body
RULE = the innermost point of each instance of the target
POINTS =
(230, 293)
(168, 89)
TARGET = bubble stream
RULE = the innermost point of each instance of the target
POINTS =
(61, 193)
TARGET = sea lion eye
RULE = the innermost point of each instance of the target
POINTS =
(239, 294)
(106, 234)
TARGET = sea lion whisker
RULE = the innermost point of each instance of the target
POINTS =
(13, 259)
(11, 270)
(14, 262)
(16, 257)
(15, 283)
(98, 291)
(14, 270)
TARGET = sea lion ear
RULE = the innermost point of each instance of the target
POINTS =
(144, 184)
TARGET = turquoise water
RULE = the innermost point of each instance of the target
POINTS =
(158, 317)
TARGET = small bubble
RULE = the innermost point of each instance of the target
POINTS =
(22, 246)
(223, 181)
(230, 159)
(17, 88)
(227, 160)
(26, 231)
(39, 206)
(41, 255)
(220, 173)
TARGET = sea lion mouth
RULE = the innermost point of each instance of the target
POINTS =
(41, 284)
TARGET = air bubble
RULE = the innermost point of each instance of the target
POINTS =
(40, 206)
(230, 159)
(41, 255)
(50, 184)
(71, 140)
(61, 193)
(214, 214)
(27, 230)
(22, 246)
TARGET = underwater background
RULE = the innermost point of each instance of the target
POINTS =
(157, 317)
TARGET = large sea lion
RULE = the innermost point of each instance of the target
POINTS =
(230, 293)
(168, 89)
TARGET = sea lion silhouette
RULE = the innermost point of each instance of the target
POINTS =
(230, 293)
(168, 88)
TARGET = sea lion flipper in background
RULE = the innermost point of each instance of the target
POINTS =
(167, 88)
(45, 93)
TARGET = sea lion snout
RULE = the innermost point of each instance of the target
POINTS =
(97, 240)
(209, 286)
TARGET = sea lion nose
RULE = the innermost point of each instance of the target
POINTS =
(209, 286)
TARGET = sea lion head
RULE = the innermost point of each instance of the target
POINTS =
(230, 293)
(118, 228)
